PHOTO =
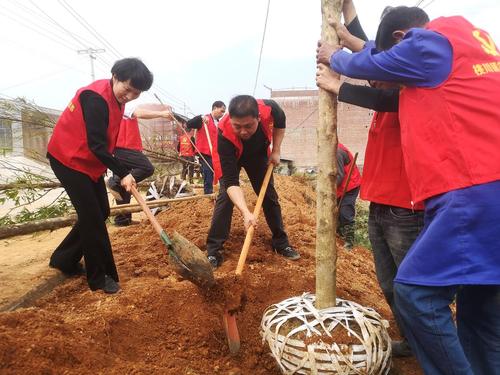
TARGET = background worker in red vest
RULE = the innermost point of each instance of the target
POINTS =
(347, 209)
(244, 141)
(187, 152)
(128, 151)
(206, 141)
(79, 151)
(394, 220)
(448, 109)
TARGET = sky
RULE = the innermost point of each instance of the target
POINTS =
(198, 50)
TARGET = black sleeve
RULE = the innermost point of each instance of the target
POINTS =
(277, 113)
(195, 123)
(342, 160)
(96, 117)
(380, 100)
(355, 29)
(228, 161)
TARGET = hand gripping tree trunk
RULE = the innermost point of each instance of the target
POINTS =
(326, 211)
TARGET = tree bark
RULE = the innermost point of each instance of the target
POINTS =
(326, 212)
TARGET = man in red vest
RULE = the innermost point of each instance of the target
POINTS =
(80, 151)
(187, 152)
(448, 110)
(347, 209)
(244, 141)
(206, 141)
(128, 151)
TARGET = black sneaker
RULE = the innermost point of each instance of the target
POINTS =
(215, 260)
(288, 252)
(110, 285)
(401, 349)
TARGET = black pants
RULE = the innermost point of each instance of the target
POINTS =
(347, 209)
(188, 168)
(223, 211)
(140, 167)
(89, 236)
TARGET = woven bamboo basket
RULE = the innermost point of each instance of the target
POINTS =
(346, 339)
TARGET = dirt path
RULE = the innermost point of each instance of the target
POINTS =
(159, 324)
(24, 264)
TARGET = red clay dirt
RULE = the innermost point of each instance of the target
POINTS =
(160, 324)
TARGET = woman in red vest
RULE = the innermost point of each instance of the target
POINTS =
(244, 141)
(449, 118)
(80, 151)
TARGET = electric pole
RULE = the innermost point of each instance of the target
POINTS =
(91, 52)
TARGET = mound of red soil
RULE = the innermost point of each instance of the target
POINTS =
(160, 324)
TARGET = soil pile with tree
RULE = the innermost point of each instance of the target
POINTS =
(160, 324)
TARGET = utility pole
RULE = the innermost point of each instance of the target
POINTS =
(91, 52)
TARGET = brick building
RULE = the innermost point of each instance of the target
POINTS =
(301, 108)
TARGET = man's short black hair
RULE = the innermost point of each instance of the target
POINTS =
(243, 106)
(218, 104)
(398, 18)
(134, 69)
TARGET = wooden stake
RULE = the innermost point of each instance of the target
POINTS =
(326, 211)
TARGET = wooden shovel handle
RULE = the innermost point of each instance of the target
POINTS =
(256, 211)
(138, 197)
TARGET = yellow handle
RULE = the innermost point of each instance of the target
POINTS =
(256, 211)
(138, 197)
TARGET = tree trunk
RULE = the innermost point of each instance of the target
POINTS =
(326, 211)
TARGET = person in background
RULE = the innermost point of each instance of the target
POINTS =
(187, 153)
(244, 141)
(448, 108)
(129, 152)
(206, 141)
(80, 151)
(347, 192)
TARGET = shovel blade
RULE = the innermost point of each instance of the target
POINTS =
(189, 261)
(232, 334)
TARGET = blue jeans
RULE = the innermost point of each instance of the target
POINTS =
(392, 230)
(208, 174)
(472, 347)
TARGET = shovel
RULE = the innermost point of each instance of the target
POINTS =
(187, 259)
(229, 320)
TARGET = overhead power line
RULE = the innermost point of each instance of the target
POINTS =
(89, 28)
(429, 3)
(36, 28)
(77, 40)
(261, 47)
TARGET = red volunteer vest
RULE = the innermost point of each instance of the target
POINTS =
(201, 136)
(185, 146)
(451, 133)
(129, 136)
(384, 177)
(266, 122)
(355, 180)
(68, 143)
